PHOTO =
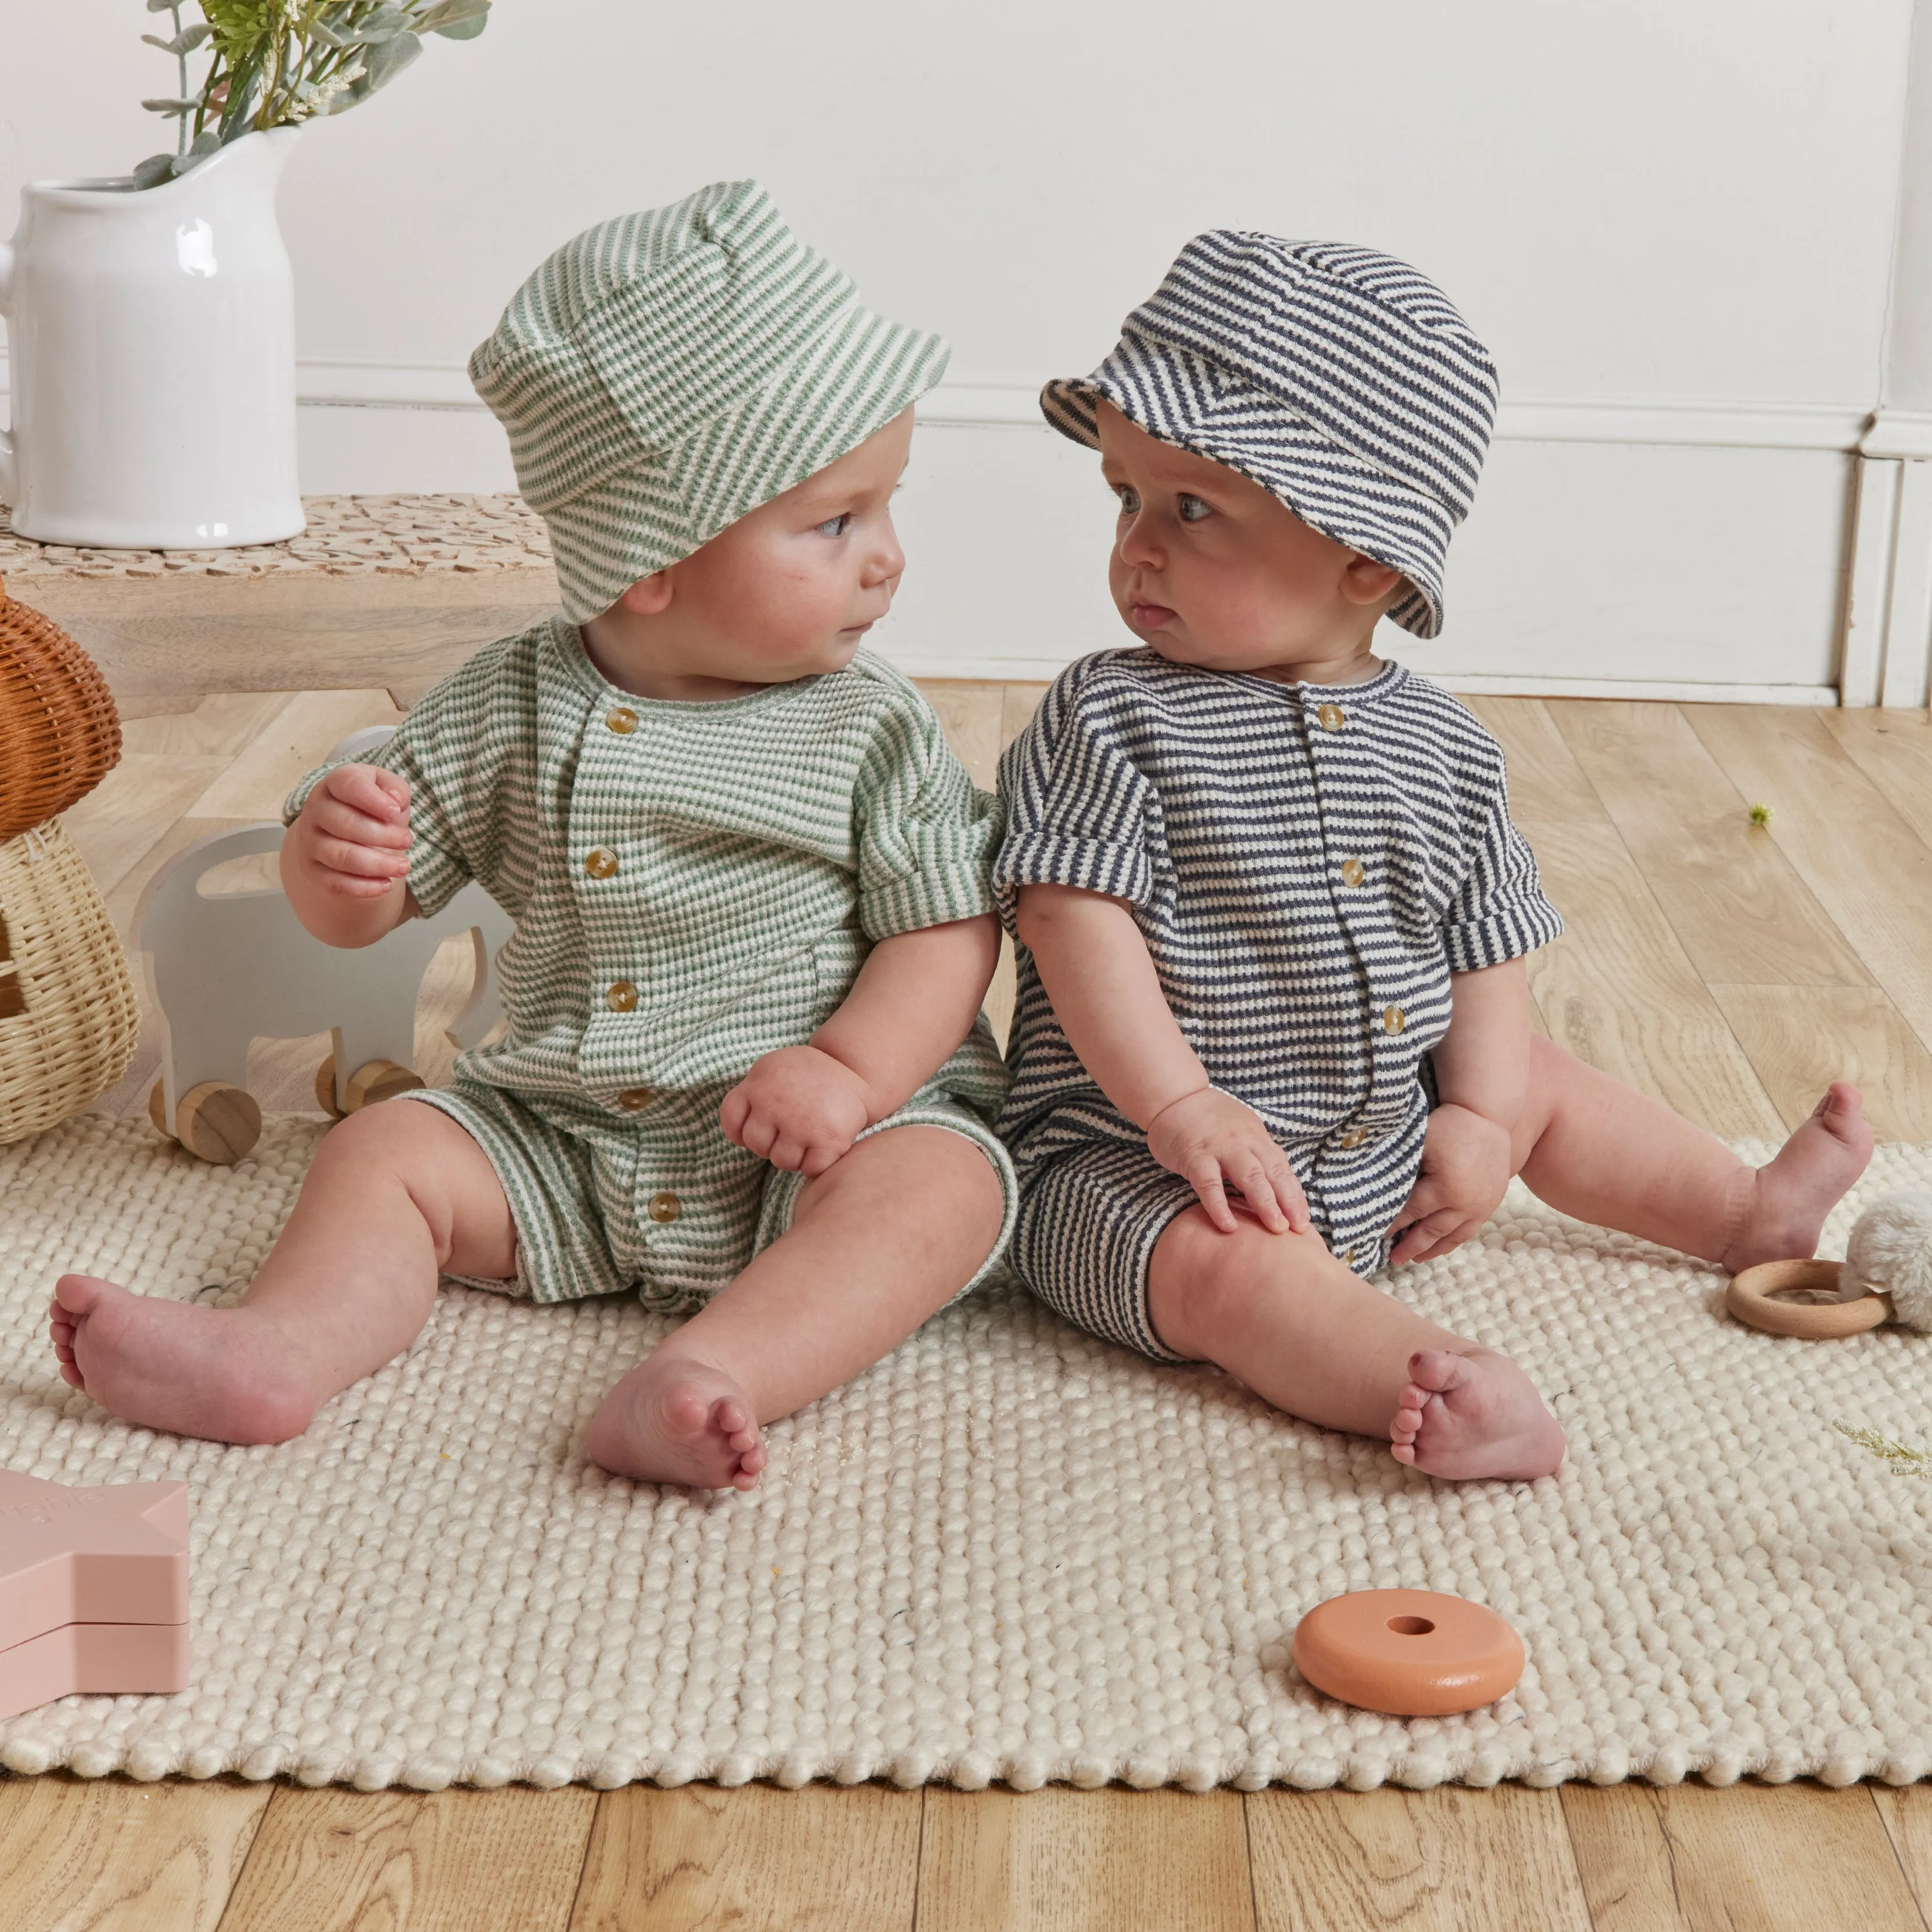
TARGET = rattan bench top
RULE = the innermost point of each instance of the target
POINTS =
(347, 536)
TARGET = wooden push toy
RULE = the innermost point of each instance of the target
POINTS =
(1408, 1653)
(1886, 1275)
(223, 969)
(93, 1590)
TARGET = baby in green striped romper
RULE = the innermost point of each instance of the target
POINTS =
(745, 1071)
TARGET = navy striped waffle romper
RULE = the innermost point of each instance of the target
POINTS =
(1308, 865)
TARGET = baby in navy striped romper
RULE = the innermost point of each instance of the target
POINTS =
(1274, 1028)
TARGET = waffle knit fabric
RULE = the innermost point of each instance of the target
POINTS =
(663, 373)
(695, 885)
(1007, 1551)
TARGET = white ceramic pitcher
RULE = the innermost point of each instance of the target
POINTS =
(152, 337)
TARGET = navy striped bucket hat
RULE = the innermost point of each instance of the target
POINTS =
(1342, 381)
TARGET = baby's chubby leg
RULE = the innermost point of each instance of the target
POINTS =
(397, 1194)
(882, 1239)
(1279, 1312)
(1595, 1148)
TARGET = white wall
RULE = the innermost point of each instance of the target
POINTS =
(1670, 222)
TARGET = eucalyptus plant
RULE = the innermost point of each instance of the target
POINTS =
(277, 63)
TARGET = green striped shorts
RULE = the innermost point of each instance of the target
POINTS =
(661, 1200)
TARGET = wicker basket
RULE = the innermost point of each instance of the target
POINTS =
(68, 1017)
(60, 735)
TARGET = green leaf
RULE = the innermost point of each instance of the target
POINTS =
(467, 16)
(155, 170)
(185, 42)
(387, 61)
(163, 7)
(160, 106)
(205, 143)
(384, 25)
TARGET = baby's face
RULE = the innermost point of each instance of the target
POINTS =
(1210, 569)
(786, 591)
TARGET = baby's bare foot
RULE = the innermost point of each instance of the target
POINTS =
(674, 1420)
(1474, 1415)
(218, 1372)
(1781, 1218)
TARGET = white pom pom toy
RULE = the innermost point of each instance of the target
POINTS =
(1886, 1275)
(1890, 1252)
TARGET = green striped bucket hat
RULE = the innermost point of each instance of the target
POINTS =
(665, 373)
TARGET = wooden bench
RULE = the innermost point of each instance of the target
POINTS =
(388, 591)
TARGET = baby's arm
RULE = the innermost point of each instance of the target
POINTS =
(1096, 969)
(914, 1000)
(346, 860)
(1482, 1080)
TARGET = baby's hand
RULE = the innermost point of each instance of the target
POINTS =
(1213, 1142)
(799, 1109)
(1465, 1172)
(351, 838)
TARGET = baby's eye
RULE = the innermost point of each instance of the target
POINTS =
(836, 527)
(1192, 509)
(1130, 501)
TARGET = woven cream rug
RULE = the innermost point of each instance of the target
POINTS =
(1007, 1553)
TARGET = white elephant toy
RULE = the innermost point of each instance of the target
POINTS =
(224, 969)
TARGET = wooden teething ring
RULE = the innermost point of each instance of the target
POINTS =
(1752, 1297)
(1408, 1653)
(374, 1080)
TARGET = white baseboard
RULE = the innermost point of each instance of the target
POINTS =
(1043, 671)
(970, 400)
(1662, 690)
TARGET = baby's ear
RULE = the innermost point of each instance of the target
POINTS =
(1364, 581)
(649, 595)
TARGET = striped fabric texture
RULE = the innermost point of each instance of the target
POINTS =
(663, 373)
(1342, 380)
(1308, 865)
(695, 886)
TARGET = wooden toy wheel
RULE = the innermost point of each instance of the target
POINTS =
(374, 1080)
(157, 1108)
(214, 1121)
(324, 1088)
(1754, 1297)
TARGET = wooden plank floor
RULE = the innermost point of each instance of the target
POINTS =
(1729, 968)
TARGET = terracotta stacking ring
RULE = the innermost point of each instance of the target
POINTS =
(1408, 1653)
(1754, 1297)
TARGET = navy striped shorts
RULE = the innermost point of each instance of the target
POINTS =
(1089, 1217)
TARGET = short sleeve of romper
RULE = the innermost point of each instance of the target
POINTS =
(1499, 912)
(926, 836)
(464, 750)
(1080, 811)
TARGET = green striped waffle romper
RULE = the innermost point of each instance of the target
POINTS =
(693, 885)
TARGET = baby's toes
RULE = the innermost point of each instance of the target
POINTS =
(684, 1412)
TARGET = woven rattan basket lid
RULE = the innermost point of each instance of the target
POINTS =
(60, 734)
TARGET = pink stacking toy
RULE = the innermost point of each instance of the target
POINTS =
(1408, 1653)
(93, 1589)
